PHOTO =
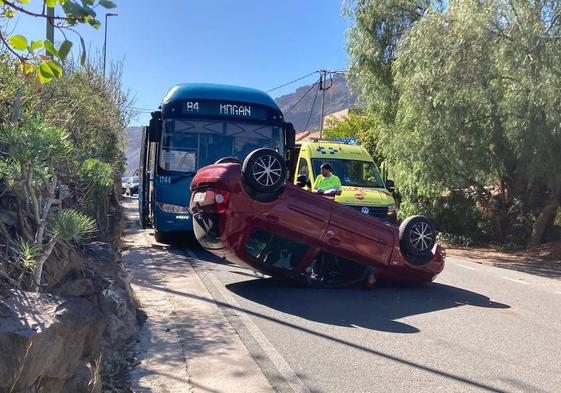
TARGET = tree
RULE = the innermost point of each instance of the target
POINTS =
(479, 107)
(377, 27)
(468, 97)
(363, 126)
(48, 64)
(30, 168)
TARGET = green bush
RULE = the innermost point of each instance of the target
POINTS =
(61, 155)
(455, 213)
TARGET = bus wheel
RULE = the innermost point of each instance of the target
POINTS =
(264, 171)
(228, 160)
(162, 237)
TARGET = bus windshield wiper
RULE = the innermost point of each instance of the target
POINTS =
(185, 176)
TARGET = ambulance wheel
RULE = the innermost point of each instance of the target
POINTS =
(264, 171)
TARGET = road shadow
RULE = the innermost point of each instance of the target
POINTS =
(548, 269)
(378, 309)
(544, 261)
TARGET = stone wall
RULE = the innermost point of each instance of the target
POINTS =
(60, 340)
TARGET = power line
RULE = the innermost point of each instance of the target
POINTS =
(301, 98)
(142, 110)
(291, 82)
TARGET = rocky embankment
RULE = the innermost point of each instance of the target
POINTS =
(73, 336)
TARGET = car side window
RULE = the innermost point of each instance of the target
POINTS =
(275, 250)
(303, 168)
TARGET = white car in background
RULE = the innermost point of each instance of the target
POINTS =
(124, 181)
(131, 186)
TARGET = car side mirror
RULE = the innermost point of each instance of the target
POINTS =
(390, 185)
(302, 180)
(155, 129)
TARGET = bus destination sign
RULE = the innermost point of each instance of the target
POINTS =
(226, 109)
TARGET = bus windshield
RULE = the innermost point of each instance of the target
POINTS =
(189, 145)
(352, 173)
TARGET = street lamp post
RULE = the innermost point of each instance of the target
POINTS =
(105, 42)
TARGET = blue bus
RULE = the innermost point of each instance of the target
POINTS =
(196, 125)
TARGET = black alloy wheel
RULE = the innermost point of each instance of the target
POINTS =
(417, 236)
(264, 171)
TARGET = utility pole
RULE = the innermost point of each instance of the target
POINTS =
(50, 26)
(105, 43)
(323, 87)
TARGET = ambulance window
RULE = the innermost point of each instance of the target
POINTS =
(303, 168)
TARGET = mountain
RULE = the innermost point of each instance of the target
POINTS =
(337, 97)
(133, 138)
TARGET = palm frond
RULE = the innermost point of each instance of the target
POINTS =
(27, 253)
(71, 225)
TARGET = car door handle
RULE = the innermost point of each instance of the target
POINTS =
(334, 241)
(272, 218)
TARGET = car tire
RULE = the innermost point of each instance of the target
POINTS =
(264, 171)
(417, 236)
(228, 160)
(162, 237)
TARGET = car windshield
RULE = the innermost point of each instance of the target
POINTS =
(351, 172)
(189, 145)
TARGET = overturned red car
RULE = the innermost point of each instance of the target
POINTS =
(248, 214)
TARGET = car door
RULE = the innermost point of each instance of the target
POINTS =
(304, 169)
(299, 214)
(359, 237)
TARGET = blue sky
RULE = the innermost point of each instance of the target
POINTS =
(255, 43)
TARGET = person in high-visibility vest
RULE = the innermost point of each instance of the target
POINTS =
(327, 183)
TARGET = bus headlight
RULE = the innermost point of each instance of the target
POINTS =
(173, 209)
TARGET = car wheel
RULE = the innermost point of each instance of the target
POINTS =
(417, 236)
(228, 160)
(264, 171)
(162, 237)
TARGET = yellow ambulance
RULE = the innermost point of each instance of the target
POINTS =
(362, 186)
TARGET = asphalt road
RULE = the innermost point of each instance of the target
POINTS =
(476, 328)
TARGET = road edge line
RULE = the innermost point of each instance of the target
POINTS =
(275, 357)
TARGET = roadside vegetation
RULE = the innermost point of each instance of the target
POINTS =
(461, 103)
(61, 144)
(60, 164)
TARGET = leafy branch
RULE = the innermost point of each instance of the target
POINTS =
(41, 58)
